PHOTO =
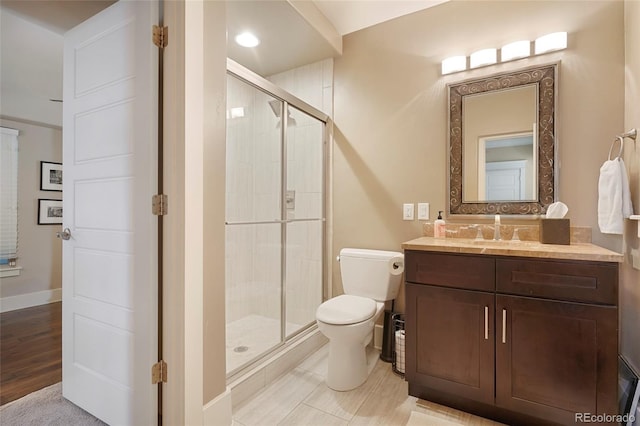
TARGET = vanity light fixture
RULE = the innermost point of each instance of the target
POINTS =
(483, 57)
(454, 64)
(551, 42)
(515, 50)
(247, 39)
(508, 52)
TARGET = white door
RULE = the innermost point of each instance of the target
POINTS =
(109, 294)
(505, 180)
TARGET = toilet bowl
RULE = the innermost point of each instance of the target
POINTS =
(347, 321)
(370, 277)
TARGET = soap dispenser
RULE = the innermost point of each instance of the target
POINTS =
(439, 226)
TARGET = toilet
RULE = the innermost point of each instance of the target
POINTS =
(369, 278)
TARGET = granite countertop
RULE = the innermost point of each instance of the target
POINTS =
(573, 251)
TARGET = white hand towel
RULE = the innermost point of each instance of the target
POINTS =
(614, 197)
(627, 206)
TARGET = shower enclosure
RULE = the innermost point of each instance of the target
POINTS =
(275, 217)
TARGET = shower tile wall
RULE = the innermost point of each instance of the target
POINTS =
(253, 194)
(312, 83)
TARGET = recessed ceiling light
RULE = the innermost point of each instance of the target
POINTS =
(247, 39)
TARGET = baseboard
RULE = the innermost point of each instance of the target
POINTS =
(217, 412)
(28, 300)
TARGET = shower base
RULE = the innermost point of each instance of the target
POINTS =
(251, 336)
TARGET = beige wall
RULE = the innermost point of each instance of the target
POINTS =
(630, 289)
(30, 78)
(213, 165)
(39, 251)
(194, 330)
(174, 322)
(390, 109)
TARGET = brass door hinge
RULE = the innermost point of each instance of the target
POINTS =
(160, 36)
(159, 204)
(159, 372)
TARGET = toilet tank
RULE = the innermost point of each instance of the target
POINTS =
(367, 273)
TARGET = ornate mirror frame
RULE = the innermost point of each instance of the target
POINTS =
(545, 77)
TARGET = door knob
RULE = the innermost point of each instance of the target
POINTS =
(65, 234)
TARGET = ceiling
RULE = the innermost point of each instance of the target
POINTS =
(288, 40)
(32, 40)
(348, 16)
(58, 16)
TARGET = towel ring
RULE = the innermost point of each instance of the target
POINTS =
(621, 140)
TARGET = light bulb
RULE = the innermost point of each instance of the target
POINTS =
(483, 57)
(454, 64)
(551, 42)
(515, 50)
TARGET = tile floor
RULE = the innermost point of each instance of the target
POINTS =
(301, 398)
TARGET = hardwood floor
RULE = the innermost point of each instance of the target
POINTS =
(30, 350)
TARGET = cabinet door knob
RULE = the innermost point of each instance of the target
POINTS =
(504, 326)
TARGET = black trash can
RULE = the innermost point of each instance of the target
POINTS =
(388, 337)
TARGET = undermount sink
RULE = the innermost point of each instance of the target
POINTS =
(504, 243)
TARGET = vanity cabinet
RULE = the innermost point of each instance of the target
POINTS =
(452, 348)
(515, 339)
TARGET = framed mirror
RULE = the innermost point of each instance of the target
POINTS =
(502, 143)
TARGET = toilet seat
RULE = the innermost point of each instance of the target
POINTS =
(346, 309)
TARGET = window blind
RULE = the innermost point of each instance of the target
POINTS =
(8, 193)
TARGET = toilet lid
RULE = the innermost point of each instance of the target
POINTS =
(346, 309)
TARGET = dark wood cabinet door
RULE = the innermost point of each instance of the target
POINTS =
(555, 359)
(450, 340)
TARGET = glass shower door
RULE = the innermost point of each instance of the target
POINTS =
(274, 221)
(305, 219)
(253, 231)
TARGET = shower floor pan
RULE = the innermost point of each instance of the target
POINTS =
(251, 336)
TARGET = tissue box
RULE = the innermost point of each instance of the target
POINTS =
(555, 231)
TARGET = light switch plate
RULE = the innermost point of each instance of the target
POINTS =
(423, 211)
(407, 211)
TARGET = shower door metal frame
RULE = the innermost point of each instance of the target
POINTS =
(249, 77)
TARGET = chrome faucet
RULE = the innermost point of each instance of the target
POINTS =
(496, 228)
(478, 228)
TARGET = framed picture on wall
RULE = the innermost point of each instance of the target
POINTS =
(50, 176)
(49, 212)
